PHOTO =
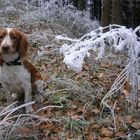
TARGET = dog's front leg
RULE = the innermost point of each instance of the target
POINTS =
(28, 99)
(9, 97)
(40, 85)
(8, 94)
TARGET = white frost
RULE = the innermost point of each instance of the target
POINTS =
(118, 37)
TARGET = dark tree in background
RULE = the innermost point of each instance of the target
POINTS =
(112, 12)
(106, 12)
(80, 4)
(122, 12)
(97, 9)
(136, 13)
(94, 7)
(117, 16)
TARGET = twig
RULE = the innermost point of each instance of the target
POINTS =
(46, 95)
(46, 107)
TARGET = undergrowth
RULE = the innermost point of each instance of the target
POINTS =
(71, 108)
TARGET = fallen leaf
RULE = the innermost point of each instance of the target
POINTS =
(101, 75)
(125, 92)
(136, 125)
(86, 67)
(76, 117)
(120, 134)
(106, 132)
(107, 138)
(24, 131)
(90, 135)
(78, 76)
(104, 138)
(118, 121)
(47, 126)
(126, 88)
(96, 126)
(106, 65)
(96, 110)
(129, 119)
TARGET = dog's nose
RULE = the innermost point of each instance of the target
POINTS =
(5, 48)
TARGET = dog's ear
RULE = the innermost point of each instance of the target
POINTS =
(23, 45)
(1, 61)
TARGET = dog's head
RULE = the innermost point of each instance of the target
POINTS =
(13, 41)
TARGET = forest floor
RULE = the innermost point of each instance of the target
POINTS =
(73, 100)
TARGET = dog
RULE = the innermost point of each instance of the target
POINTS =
(17, 74)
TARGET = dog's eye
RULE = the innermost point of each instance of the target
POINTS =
(13, 37)
(1, 36)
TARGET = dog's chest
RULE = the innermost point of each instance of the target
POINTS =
(14, 77)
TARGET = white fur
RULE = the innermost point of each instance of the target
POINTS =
(16, 79)
(10, 57)
(8, 30)
(7, 40)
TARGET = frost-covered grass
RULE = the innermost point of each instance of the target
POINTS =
(16, 126)
(83, 92)
(118, 38)
(78, 94)
(32, 15)
(42, 23)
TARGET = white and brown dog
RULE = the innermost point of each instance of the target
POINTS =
(17, 75)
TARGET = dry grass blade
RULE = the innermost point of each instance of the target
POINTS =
(118, 83)
(80, 91)
(10, 123)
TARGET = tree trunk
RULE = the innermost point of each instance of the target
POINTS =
(81, 5)
(117, 12)
(97, 9)
(106, 12)
(136, 13)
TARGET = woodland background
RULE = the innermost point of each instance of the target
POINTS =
(72, 108)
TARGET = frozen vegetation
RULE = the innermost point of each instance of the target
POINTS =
(59, 31)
